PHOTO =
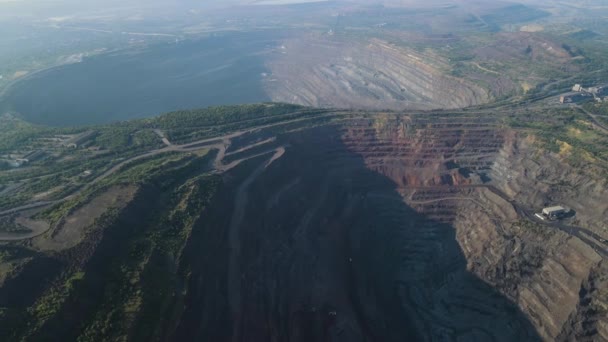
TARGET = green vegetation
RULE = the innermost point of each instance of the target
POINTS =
(49, 304)
(142, 171)
(129, 136)
(62, 171)
(140, 269)
(7, 224)
(6, 255)
(568, 133)
(74, 279)
(137, 278)
(129, 273)
(186, 126)
(599, 109)
(141, 278)
(15, 133)
(12, 201)
(221, 115)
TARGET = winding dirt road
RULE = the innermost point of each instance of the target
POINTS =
(594, 119)
(588, 237)
(220, 143)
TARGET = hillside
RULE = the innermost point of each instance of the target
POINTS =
(278, 222)
(345, 171)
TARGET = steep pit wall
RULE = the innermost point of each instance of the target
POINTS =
(538, 178)
(425, 151)
(373, 227)
(320, 246)
(328, 71)
(446, 167)
(562, 293)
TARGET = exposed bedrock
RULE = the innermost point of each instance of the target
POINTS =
(538, 177)
(565, 290)
(334, 72)
(321, 247)
(349, 227)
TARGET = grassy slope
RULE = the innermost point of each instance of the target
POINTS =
(112, 284)
(129, 289)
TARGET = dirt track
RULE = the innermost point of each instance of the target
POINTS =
(528, 213)
(223, 142)
(299, 242)
(211, 143)
(594, 119)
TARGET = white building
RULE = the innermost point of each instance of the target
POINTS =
(554, 212)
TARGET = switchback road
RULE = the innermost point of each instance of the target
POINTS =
(590, 238)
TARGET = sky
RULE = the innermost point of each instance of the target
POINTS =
(14, 9)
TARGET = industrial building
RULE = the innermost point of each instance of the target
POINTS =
(596, 90)
(575, 98)
(580, 94)
(554, 213)
(80, 139)
(32, 156)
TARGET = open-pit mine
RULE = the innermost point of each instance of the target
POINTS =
(326, 71)
(323, 226)
(367, 171)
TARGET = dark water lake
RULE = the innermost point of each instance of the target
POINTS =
(218, 70)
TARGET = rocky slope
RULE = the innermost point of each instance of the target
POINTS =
(330, 71)
(341, 227)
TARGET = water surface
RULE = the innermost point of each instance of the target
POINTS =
(219, 70)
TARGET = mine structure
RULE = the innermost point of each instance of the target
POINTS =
(31, 157)
(553, 213)
(580, 94)
(80, 139)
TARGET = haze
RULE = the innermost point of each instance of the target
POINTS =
(303, 171)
